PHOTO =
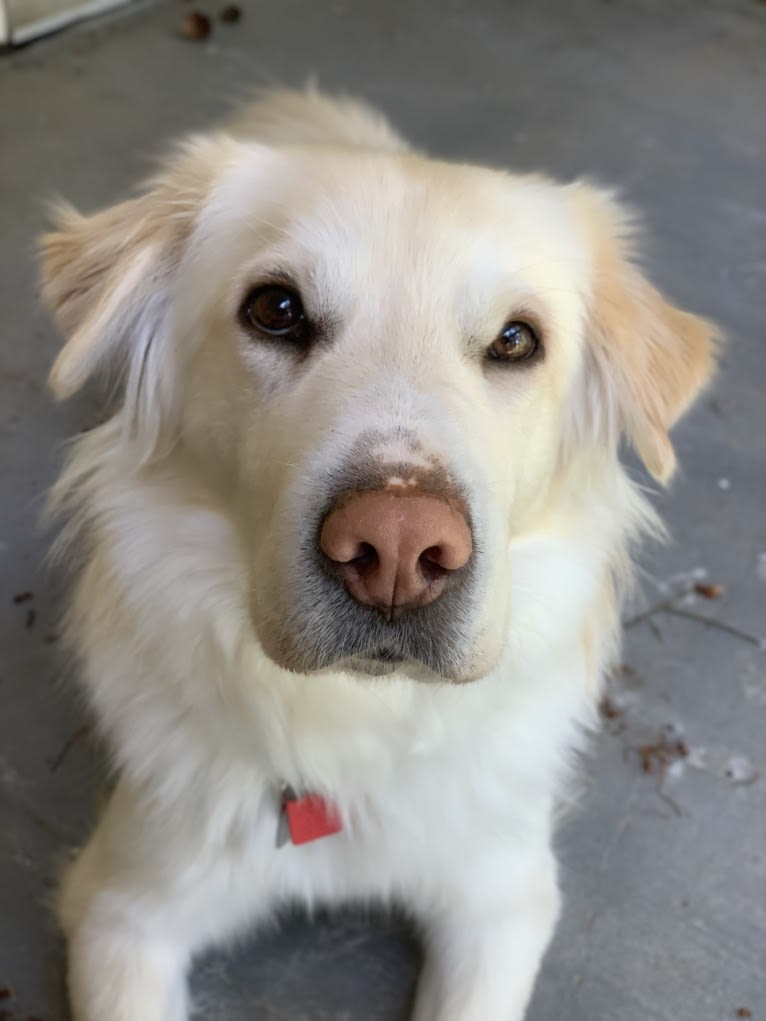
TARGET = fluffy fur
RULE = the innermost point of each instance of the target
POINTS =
(192, 509)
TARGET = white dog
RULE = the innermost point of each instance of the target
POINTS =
(354, 543)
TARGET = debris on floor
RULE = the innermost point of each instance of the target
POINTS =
(195, 25)
(609, 708)
(658, 755)
(708, 590)
(230, 14)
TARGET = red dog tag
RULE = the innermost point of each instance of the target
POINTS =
(309, 817)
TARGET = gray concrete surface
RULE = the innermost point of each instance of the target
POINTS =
(665, 889)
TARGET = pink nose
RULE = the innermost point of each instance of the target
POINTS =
(396, 552)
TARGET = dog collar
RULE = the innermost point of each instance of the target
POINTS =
(305, 817)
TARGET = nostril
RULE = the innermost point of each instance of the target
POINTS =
(446, 556)
(366, 557)
(434, 555)
(431, 563)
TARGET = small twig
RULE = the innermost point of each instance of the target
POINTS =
(44, 824)
(71, 741)
(653, 627)
(720, 625)
(669, 606)
(656, 757)
(648, 614)
(664, 795)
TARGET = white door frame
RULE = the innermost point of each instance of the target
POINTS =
(47, 16)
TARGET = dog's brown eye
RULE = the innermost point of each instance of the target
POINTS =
(516, 343)
(276, 311)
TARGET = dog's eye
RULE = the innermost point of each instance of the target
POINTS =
(276, 311)
(516, 343)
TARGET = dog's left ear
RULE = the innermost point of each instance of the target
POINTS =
(656, 357)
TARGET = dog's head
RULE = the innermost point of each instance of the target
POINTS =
(383, 366)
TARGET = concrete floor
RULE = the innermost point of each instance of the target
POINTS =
(666, 913)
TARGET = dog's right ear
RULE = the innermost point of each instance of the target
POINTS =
(106, 277)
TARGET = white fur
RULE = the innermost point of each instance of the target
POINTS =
(187, 502)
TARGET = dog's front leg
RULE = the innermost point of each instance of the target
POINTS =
(116, 974)
(140, 899)
(483, 951)
(121, 965)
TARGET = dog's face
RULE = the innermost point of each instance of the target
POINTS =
(384, 367)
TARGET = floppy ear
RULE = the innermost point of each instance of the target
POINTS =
(655, 357)
(101, 276)
(107, 279)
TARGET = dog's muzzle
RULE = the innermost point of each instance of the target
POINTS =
(384, 575)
